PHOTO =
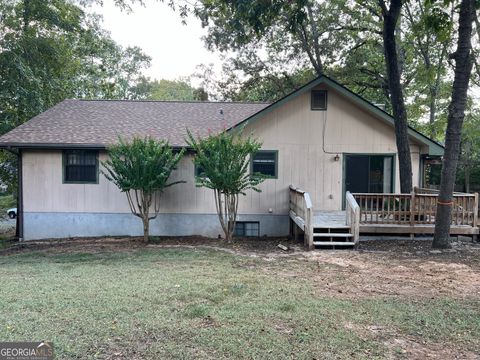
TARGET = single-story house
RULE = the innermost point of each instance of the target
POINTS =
(322, 137)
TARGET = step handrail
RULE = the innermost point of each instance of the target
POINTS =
(352, 216)
(301, 205)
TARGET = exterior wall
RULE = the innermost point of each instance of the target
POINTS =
(307, 142)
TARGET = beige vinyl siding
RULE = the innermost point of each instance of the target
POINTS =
(292, 129)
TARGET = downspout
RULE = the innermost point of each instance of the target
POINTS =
(19, 227)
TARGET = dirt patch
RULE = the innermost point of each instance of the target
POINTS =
(412, 348)
(358, 275)
(402, 346)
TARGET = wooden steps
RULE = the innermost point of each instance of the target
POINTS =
(333, 243)
(332, 235)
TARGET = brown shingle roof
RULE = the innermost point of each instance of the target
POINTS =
(100, 122)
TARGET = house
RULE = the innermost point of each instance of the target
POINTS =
(322, 138)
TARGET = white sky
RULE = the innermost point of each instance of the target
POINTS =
(175, 49)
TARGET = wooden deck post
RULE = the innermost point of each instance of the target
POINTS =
(475, 210)
(309, 229)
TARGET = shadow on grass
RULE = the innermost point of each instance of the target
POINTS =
(6, 242)
(105, 257)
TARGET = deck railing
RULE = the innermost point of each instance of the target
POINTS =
(301, 207)
(418, 207)
(352, 210)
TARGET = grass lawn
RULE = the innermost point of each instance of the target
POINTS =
(157, 302)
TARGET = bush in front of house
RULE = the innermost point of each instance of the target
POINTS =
(224, 163)
(141, 169)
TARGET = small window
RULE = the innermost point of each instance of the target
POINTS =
(247, 228)
(265, 162)
(319, 100)
(199, 170)
(80, 166)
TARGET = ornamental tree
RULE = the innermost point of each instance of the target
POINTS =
(141, 170)
(224, 160)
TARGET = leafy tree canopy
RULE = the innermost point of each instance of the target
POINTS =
(224, 160)
(274, 45)
(141, 169)
(51, 50)
(179, 90)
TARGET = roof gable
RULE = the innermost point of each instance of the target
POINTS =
(434, 148)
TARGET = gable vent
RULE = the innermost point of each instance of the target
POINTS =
(319, 100)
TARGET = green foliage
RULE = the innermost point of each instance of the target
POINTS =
(6, 202)
(225, 162)
(51, 50)
(468, 171)
(8, 171)
(224, 159)
(143, 164)
(280, 45)
(178, 90)
(141, 170)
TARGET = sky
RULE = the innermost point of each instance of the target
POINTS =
(175, 49)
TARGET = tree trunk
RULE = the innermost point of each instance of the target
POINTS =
(467, 178)
(390, 20)
(146, 224)
(456, 113)
(467, 165)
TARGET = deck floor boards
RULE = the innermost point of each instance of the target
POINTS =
(329, 219)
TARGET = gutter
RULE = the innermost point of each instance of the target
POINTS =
(44, 146)
(63, 146)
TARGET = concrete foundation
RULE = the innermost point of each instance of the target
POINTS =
(43, 225)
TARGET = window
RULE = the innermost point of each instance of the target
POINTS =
(369, 173)
(246, 228)
(80, 166)
(199, 171)
(265, 162)
(319, 100)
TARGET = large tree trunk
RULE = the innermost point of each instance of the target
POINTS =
(456, 113)
(390, 20)
(467, 165)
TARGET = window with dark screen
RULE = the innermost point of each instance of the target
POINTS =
(265, 162)
(80, 166)
(247, 228)
(319, 100)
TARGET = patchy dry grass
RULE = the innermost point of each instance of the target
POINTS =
(156, 302)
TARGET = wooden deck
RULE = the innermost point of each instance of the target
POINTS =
(378, 214)
(336, 219)
(329, 219)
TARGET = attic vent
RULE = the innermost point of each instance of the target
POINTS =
(319, 100)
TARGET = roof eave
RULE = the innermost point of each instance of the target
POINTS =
(52, 146)
(66, 146)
